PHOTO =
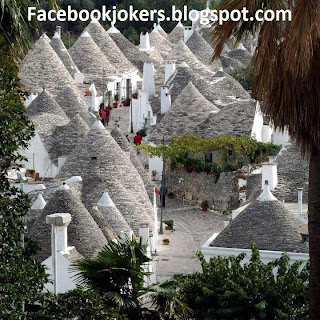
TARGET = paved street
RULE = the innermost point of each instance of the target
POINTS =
(192, 229)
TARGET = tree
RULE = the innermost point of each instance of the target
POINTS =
(118, 275)
(286, 63)
(229, 289)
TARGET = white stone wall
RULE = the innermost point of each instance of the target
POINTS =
(266, 256)
(257, 124)
(280, 138)
(38, 158)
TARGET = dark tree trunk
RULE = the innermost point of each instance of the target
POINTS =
(314, 235)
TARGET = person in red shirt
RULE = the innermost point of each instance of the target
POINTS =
(107, 117)
(102, 115)
(137, 139)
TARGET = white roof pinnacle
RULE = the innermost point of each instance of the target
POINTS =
(266, 194)
(105, 201)
(113, 29)
(241, 47)
(56, 35)
(183, 65)
(40, 203)
(64, 187)
(98, 125)
(180, 24)
(85, 35)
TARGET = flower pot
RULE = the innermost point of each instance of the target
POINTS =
(170, 197)
(116, 105)
(33, 174)
(204, 208)
(166, 243)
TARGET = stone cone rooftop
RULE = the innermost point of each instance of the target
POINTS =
(181, 53)
(62, 52)
(83, 232)
(234, 119)
(98, 155)
(133, 54)
(161, 31)
(42, 67)
(155, 55)
(89, 58)
(222, 89)
(202, 50)
(266, 223)
(126, 147)
(293, 173)
(65, 138)
(177, 34)
(102, 223)
(45, 103)
(158, 41)
(241, 55)
(72, 103)
(109, 48)
(187, 111)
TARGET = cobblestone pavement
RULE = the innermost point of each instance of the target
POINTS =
(192, 229)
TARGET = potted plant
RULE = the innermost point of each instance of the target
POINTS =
(154, 174)
(31, 173)
(169, 225)
(128, 101)
(204, 205)
(134, 95)
(170, 195)
(166, 242)
(146, 166)
(116, 99)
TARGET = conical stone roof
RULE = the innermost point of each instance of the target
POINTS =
(98, 154)
(133, 54)
(45, 103)
(72, 103)
(202, 50)
(177, 34)
(188, 110)
(65, 138)
(126, 147)
(83, 232)
(267, 223)
(235, 119)
(181, 53)
(42, 67)
(62, 52)
(109, 48)
(112, 215)
(161, 31)
(158, 41)
(102, 223)
(89, 58)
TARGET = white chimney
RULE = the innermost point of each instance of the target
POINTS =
(144, 233)
(148, 84)
(144, 41)
(170, 68)
(59, 238)
(269, 173)
(300, 201)
(58, 30)
(165, 100)
(188, 31)
(124, 234)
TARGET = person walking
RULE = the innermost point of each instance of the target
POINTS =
(163, 193)
(107, 118)
(102, 115)
(137, 140)
(127, 137)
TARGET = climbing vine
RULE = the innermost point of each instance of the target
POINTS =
(233, 150)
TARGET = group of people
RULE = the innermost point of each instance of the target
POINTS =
(104, 114)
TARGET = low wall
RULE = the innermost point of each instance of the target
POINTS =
(224, 192)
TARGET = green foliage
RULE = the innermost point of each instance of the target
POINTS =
(245, 76)
(118, 275)
(169, 223)
(81, 304)
(230, 289)
(21, 276)
(232, 150)
(204, 204)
